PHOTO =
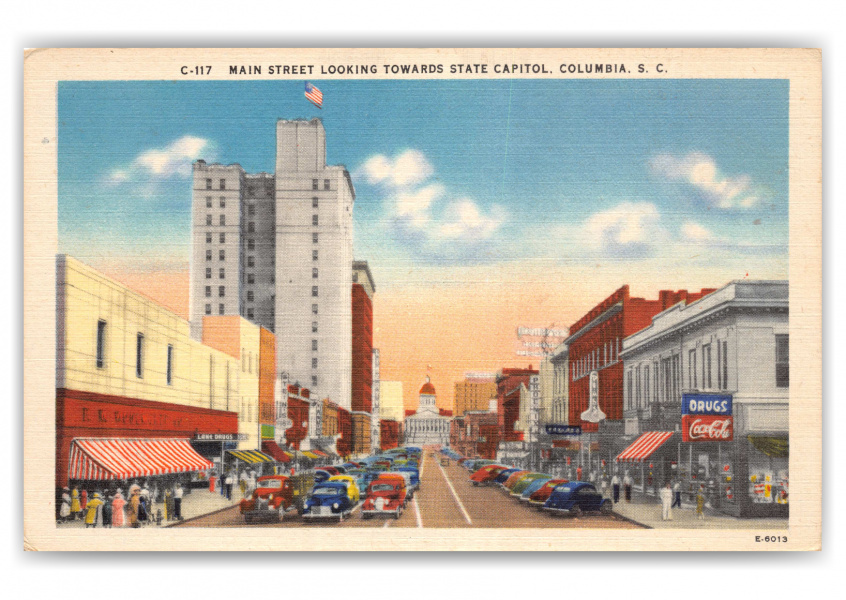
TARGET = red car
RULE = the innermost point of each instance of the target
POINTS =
(386, 495)
(486, 474)
(540, 497)
(331, 470)
(274, 495)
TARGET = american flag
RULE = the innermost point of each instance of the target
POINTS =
(314, 95)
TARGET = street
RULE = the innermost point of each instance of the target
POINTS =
(446, 499)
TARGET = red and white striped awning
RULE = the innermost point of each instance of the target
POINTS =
(644, 446)
(125, 458)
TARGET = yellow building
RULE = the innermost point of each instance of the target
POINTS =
(391, 404)
(472, 394)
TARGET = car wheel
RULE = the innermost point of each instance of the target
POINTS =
(475, 483)
(365, 517)
(576, 511)
(605, 508)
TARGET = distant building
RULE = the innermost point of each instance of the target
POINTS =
(391, 403)
(426, 426)
(474, 393)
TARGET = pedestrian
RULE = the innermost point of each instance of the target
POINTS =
(251, 482)
(242, 483)
(615, 487)
(627, 486)
(212, 480)
(676, 494)
(76, 509)
(168, 505)
(230, 481)
(107, 510)
(602, 485)
(700, 503)
(177, 502)
(133, 504)
(65, 508)
(579, 473)
(142, 508)
(666, 495)
(92, 511)
(117, 510)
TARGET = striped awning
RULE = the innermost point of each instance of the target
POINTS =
(308, 454)
(644, 446)
(125, 458)
(251, 456)
(319, 453)
(273, 449)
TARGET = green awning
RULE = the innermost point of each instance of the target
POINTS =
(775, 447)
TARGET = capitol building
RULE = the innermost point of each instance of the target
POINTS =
(427, 427)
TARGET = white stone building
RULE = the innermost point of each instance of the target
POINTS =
(427, 426)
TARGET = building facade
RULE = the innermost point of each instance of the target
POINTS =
(728, 350)
(474, 393)
(427, 427)
(509, 382)
(391, 403)
(277, 250)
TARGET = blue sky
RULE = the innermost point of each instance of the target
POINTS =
(450, 174)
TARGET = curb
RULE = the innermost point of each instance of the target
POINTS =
(630, 520)
(214, 512)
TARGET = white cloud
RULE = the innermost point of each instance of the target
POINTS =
(464, 220)
(696, 233)
(155, 164)
(413, 206)
(700, 171)
(407, 169)
(629, 229)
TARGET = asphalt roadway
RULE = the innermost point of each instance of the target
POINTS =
(446, 499)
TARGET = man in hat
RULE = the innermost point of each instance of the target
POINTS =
(177, 502)
(92, 511)
(65, 508)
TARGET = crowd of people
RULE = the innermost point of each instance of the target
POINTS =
(142, 505)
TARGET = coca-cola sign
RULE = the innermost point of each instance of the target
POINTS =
(707, 428)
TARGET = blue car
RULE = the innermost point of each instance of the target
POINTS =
(320, 476)
(503, 477)
(328, 500)
(577, 497)
(415, 475)
(534, 486)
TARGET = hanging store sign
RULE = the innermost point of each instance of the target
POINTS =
(220, 437)
(707, 428)
(706, 404)
(559, 429)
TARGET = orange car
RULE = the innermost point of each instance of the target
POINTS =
(515, 477)
(486, 474)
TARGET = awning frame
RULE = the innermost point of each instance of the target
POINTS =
(644, 446)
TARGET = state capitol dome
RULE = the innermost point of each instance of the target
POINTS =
(427, 388)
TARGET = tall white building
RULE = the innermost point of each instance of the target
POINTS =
(277, 250)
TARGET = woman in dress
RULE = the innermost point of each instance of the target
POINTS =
(75, 507)
(117, 510)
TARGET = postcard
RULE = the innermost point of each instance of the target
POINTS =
(432, 299)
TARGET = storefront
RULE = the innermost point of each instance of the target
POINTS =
(649, 461)
(114, 438)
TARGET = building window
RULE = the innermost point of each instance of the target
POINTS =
(222, 254)
(222, 238)
(170, 364)
(314, 220)
(314, 345)
(706, 366)
(630, 388)
(221, 309)
(223, 201)
(314, 202)
(655, 382)
(314, 363)
(222, 273)
(782, 361)
(208, 220)
(314, 273)
(251, 261)
(250, 296)
(725, 365)
(314, 184)
(325, 184)
(208, 309)
(646, 386)
(139, 355)
(222, 220)
(314, 309)
(251, 278)
(676, 377)
(208, 202)
(208, 254)
(208, 269)
(208, 291)
(251, 209)
(251, 227)
(691, 369)
(101, 343)
(314, 326)
(223, 184)
(314, 255)
(208, 184)
(313, 380)
(221, 291)
(250, 314)
(314, 291)
(251, 244)
(208, 238)
(313, 238)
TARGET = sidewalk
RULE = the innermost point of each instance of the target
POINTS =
(198, 503)
(646, 510)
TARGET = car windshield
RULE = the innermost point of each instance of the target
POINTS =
(563, 488)
(270, 483)
(326, 491)
(382, 487)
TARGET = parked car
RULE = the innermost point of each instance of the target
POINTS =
(542, 494)
(577, 497)
(504, 475)
(353, 491)
(385, 496)
(513, 479)
(276, 494)
(520, 486)
(486, 474)
(533, 486)
(321, 475)
(329, 469)
(413, 472)
(330, 499)
(409, 492)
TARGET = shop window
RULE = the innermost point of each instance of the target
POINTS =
(101, 343)
(139, 355)
(170, 364)
(768, 469)
(782, 361)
